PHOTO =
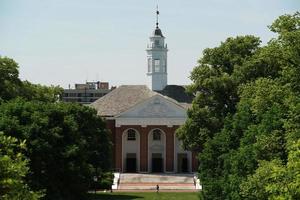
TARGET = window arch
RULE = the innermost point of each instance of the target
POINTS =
(131, 134)
(156, 134)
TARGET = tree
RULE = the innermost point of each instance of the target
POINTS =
(39, 92)
(9, 78)
(12, 87)
(277, 179)
(245, 118)
(13, 169)
(215, 89)
(68, 145)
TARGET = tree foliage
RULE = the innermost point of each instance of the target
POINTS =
(11, 86)
(9, 78)
(216, 89)
(13, 169)
(67, 145)
(244, 120)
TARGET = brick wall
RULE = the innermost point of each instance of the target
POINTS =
(144, 131)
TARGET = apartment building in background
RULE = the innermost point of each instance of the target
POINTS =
(86, 93)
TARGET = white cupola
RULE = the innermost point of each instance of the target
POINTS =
(157, 60)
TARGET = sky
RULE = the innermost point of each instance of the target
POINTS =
(62, 42)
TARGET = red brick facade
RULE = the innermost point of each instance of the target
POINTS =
(144, 131)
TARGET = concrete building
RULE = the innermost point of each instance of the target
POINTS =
(86, 93)
(143, 120)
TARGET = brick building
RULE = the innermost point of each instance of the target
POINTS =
(143, 119)
(143, 124)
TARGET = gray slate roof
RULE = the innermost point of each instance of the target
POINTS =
(125, 97)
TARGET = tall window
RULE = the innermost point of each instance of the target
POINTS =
(131, 135)
(163, 63)
(149, 64)
(156, 134)
(156, 65)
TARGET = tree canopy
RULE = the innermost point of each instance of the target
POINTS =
(11, 86)
(244, 121)
(67, 144)
(13, 169)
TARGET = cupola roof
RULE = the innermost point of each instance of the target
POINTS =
(157, 32)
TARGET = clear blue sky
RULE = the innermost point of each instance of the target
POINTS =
(62, 42)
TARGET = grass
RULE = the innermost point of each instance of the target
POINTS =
(145, 196)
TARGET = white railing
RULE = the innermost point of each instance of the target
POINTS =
(197, 182)
(116, 181)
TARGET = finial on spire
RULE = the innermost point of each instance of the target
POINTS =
(157, 13)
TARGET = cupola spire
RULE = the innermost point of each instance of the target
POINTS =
(157, 13)
(157, 72)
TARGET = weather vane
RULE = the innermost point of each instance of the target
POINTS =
(157, 13)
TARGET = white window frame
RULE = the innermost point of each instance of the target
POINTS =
(131, 137)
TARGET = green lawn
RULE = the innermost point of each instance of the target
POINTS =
(145, 196)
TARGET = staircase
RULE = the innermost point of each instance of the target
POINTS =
(136, 181)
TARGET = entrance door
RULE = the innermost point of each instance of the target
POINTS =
(157, 163)
(131, 162)
(182, 163)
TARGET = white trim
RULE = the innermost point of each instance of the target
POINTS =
(169, 122)
(172, 101)
(150, 153)
(177, 151)
(125, 141)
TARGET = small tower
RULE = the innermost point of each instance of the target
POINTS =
(157, 60)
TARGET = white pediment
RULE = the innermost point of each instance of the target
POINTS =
(155, 107)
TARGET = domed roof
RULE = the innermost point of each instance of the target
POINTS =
(157, 32)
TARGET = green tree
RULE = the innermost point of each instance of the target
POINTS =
(12, 87)
(244, 119)
(68, 145)
(39, 92)
(9, 78)
(278, 179)
(215, 89)
(13, 169)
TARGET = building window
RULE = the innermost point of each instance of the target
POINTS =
(156, 134)
(156, 65)
(131, 134)
(163, 63)
(72, 95)
(149, 64)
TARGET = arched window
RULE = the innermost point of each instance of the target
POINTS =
(156, 134)
(131, 134)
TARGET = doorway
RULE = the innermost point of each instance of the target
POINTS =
(157, 163)
(182, 163)
(131, 162)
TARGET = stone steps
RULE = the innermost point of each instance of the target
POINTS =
(152, 186)
(149, 181)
